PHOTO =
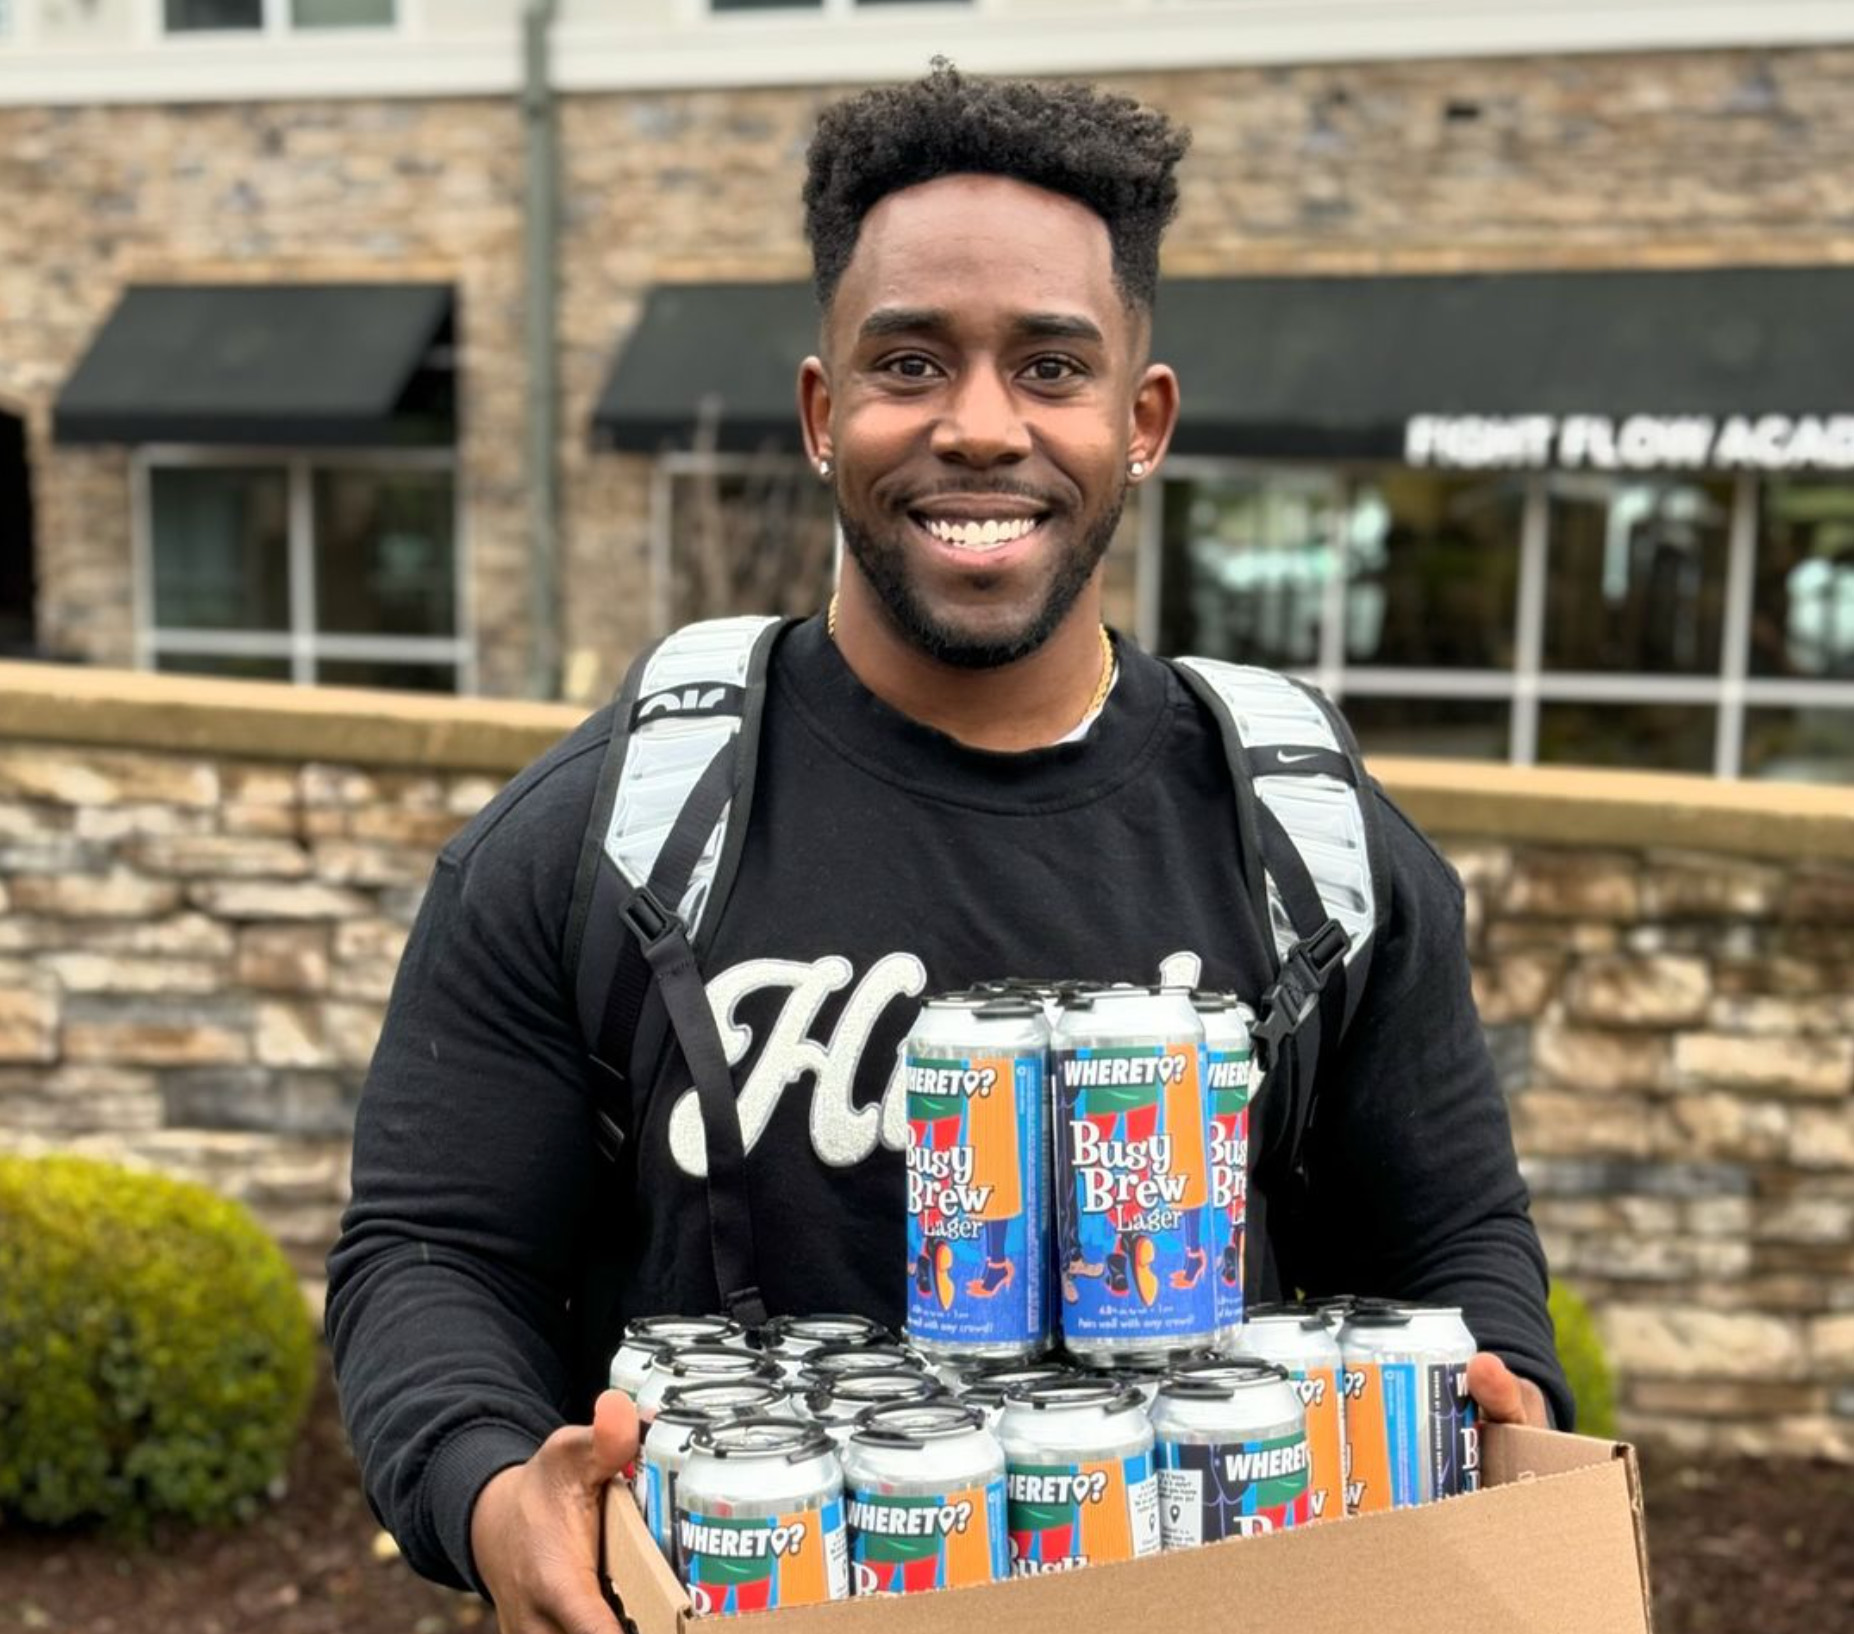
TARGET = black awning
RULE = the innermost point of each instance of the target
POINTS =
(1327, 368)
(271, 364)
(720, 356)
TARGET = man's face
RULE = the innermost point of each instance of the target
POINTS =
(980, 397)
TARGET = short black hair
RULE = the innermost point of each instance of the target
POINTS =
(1107, 152)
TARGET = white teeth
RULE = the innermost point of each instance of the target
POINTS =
(980, 535)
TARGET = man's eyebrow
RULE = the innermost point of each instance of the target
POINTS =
(903, 320)
(1059, 326)
(886, 321)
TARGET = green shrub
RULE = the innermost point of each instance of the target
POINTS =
(156, 1356)
(1580, 1353)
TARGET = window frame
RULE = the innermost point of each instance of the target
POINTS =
(1527, 685)
(302, 645)
(700, 12)
(276, 25)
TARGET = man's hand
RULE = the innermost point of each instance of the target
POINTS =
(1503, 1396)
(535, 1529)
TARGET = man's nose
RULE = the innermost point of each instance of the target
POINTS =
(983, 423)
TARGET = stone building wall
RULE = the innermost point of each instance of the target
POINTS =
(205, 887)
(1661, 159)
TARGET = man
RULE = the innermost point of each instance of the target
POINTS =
(962, 775)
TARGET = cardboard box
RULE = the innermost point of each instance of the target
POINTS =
(1552, 1544)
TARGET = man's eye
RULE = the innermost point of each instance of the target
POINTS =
(912, 366)
(1051, 371)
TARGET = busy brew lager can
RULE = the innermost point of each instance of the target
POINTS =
(682, 1411)
(975, 1071)
(1080, 1484)
(837, 1405)
(647, 1335)
(824, 1364)
(690, 1364)
(1229, 1069)
(1297, 1338)
(759, 1517)
(924, 1497)
(1133, 1176)
(788, 1340)
(1410, 1425)
(1231, 1444)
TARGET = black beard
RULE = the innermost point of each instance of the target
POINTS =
(885, 565)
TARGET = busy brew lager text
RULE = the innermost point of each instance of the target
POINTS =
(1229, 1066)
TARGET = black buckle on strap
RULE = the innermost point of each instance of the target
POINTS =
(647, 919)
(1295, 996)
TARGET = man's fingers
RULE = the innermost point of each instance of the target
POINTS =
(1502, 1396)
(614, 1432)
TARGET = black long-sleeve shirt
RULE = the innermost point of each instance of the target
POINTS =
(490, 1256)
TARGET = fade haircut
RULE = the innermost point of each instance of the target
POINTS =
(1107, 152)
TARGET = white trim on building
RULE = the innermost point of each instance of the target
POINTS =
(690, 46)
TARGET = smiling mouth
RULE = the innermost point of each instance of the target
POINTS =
(978, 534)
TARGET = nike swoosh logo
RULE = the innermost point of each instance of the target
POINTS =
(1289, 760)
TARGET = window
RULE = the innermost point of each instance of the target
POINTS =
(1247, 561)
(250, 16)
(339, 569)
(743, 534)
(1691, 623)
(1802, 618)
(1636, 581)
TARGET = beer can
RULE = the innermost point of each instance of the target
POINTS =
(682, 1411)
(789, 1339)
(1229, 1069)
(1410, 1424)
(1297, 1338)
(759, 1517)
(1133, 1168)
(1230, 1440)
(646, 1335)
(827, 1363)
(924, 1497)
(838, 1404)
(976, 1076)
(986, 1388)
(688, 1364)
(1080, 1484)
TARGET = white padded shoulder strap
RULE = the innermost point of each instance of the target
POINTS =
(1322, 814)
(689, 703)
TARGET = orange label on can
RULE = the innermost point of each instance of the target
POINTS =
(1319, 1392)
(1367, 1441)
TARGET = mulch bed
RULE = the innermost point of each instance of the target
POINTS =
(1734, 1544)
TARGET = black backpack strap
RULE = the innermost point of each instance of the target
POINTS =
(672, 799)
(1302, 810)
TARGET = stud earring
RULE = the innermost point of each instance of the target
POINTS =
(1137, 470)
(824, 468)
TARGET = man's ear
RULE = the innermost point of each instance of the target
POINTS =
(1154, 416)
(814, 409)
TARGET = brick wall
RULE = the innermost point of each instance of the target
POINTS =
(1698, 158)
(205, 887)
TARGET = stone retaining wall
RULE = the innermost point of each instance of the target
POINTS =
(205, 887)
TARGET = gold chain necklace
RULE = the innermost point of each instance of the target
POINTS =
(1100, 687)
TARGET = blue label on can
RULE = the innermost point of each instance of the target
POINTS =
(1403, 1432)
(1454, 1434)
(977, 1210)
(1134, 1195)
(1227, 1082)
